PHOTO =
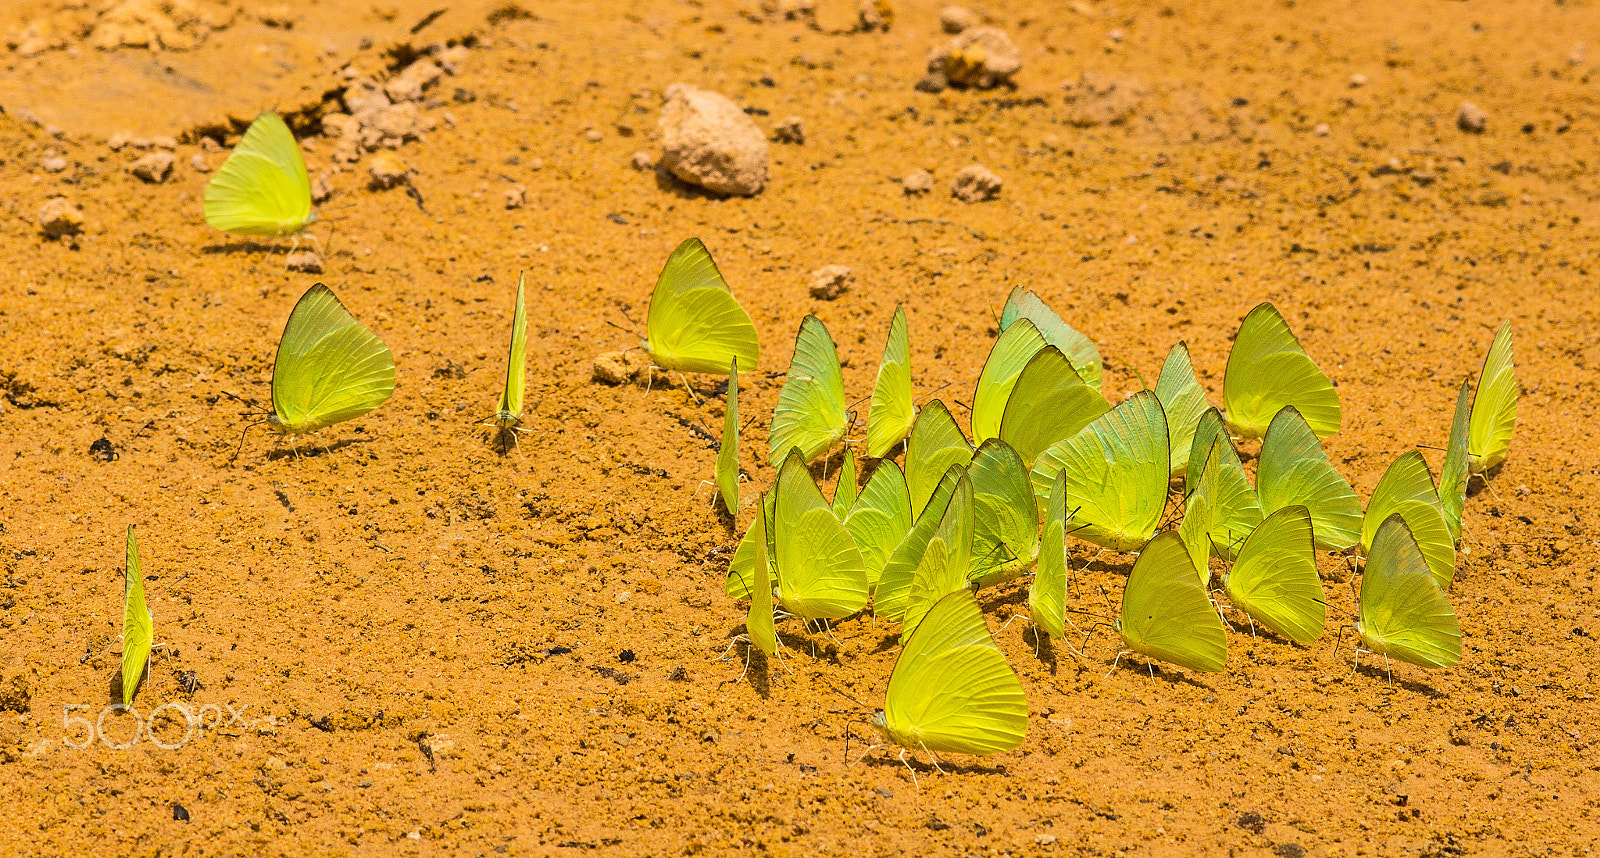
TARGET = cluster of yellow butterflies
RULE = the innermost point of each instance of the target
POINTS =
(916, 542)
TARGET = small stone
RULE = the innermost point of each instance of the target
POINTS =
(1045, 840)
(975, 184)
(387, 170)
(707, 140)
(364, 96)
(618, 367)
(954, 19)
(154, 167)
(874, 16)
(1576, 56)
(322, 188)
(917, 182)
(54, 164)
(1358, 80)
(304, 261)
(516, 197)
(644, 162)
(273, 764)
(1471, 118)
(790, 130)
(59, 218)
(197, 163)
(934, 82)
(831, 281)
(439, 746)
(981, 57)
(1322, 130)
(451, 59)
(593, 135)
(409, 84)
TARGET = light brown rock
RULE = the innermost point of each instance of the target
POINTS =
(975, 184)
(917, 182)
(59, 218)
(516, 197)
(154, 167)
(707, 140)
(642, 161)
(619, 367)
(790, 130)
(831, 281)
(304, 261)
(409, 84)
(1471, 118)
(387, 170)
(980, 57)
(954, 19)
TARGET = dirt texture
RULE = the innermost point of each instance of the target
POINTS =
(437, 648)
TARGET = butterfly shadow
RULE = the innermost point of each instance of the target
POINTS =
(918, 765)
(1385, 673)
(312, 451)
(1043, 648)
(1148, 668)
(230, 248)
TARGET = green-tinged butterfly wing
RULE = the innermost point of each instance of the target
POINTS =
(1407, 489)
(758, 623)
(330, 367)
(1199, 515)
(509, 413)
(1294, 471)
(741, 569)
(1235, 508)
(1494, 407)
(1005, 538)
(844, 490)
(1454, 475)
(1016, 345)
(1183, 400)
(1047, 597)
(262, 189)
(894, 584)
(1268, 370)
(951, 690)
(1404, 614)
(1116, 474)
(821, 575)
(1022, 303)
(810, 415)
(1049, 402)
(880, 518)
(892, 410)
(1275, 578)
(936, 444)
(1166, 614)
(944, 566)
(138, 626)
(695, 325)
(728, 455)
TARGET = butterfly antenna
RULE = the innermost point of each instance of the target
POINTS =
(933, 391)
(240, 448)
(1143, 385)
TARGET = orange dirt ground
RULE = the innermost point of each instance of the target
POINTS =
(388, 616)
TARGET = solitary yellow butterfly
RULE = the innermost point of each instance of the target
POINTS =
(262, 189)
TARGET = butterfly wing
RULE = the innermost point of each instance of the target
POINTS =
(1454, 475)
(728, 454)
(1183, 400)
(741, 569)
(880, 518)
(758, 622)
(944, 566)
(821, 575)
(1494, 407)
(138, 628)
(1016, 345)
(1006, 516)
(1403, 612)
(262, 189)
(1275, 578)
(695, 324)
(1294, 471)
(894, 585)
(330, 367)
(1022, 303)
(1116, 474)
(844, 489)
(1047, 597)
(892, 411)
(936, 444)
(510, 410)
(1235, 507)
(1165, 612)
(1199, 516)
(1049, 402)
(810, 415)
(951, 690)
(1268, 370)
(1407, 489)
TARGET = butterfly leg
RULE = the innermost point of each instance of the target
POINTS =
(913, 772)
(684, 380)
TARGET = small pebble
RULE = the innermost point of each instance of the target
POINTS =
(1576, 57)
(54, 164)
(154, 167)
(981, 57)
(644, 162)
(975, 184)
(59, 218)
(304, 261)
(516, 197)
(831, 281)
(1358, 81)
(1471, 118)
(387, 170)
(619, 367)
(790, 131)
(197, 163)
(1322, 129)
(917, 182)
(707, 140)
(322, 188)
(593, 135)
(954, 19)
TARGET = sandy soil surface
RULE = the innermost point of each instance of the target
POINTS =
(431, 647)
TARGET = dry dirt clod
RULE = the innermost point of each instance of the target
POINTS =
(388, 171)
(874, 16)
(516, 197)
(975, 184)
(790, 130)
(53, 164)
(1471, 118)
(154, 167)
(304, 261)
(954, 19)
(642, 161)
(59, 218)
(980, 57)
(934, 82)
(618, 367)
(409, 84)
(707, 140)
(917, 182)
(1100, 99)
(322, 188)
(831, 281)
